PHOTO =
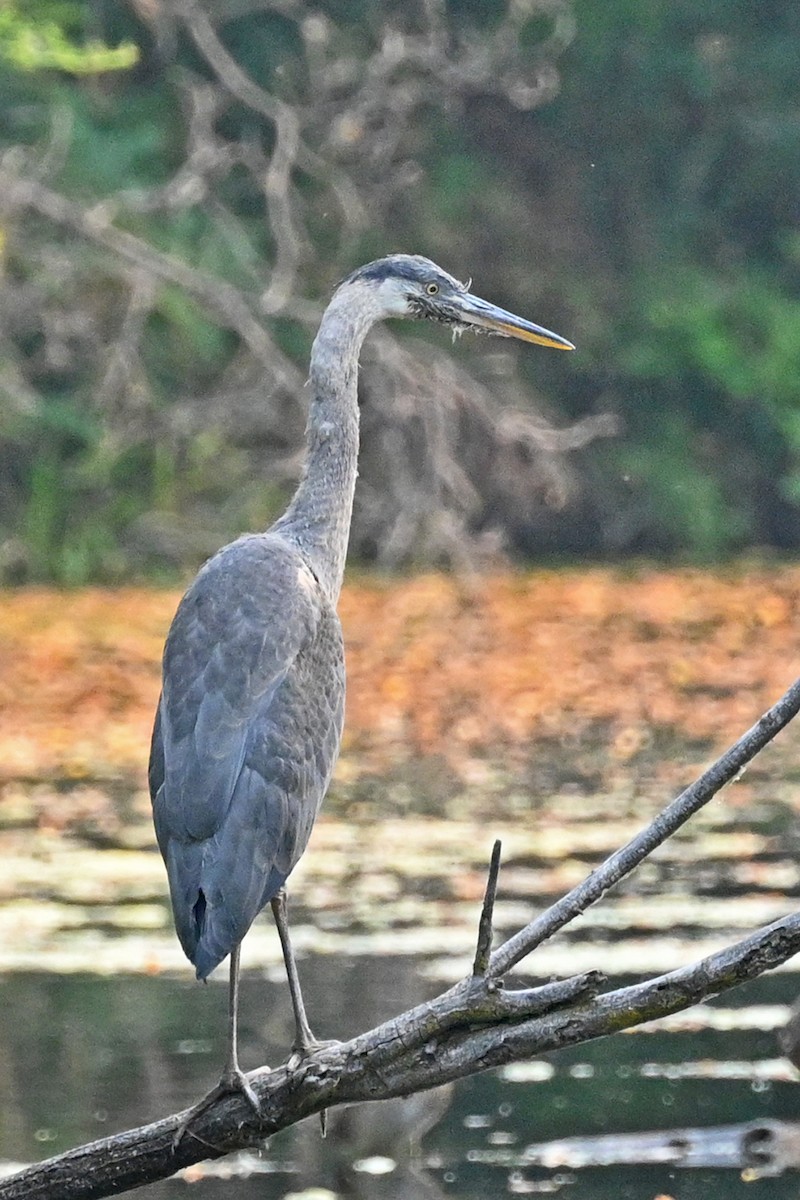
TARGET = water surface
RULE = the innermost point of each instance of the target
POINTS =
(91, 1055)
(104, 1027)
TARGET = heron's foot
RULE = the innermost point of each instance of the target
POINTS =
(231, 1081)
(304, 1048)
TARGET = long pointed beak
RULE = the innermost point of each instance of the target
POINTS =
(474, 311)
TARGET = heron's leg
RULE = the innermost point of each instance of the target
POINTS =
(304, 1040)
(233, 1078)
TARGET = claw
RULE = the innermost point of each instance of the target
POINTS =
(232, 1080)
(309, 1046)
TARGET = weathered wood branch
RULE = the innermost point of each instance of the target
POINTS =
(474, 1026)
(619, 864)
(470, 1028)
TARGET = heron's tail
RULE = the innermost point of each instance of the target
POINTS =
(207, 934)
(203, 926)
(215, 934)
(204, 959)
(213, 916)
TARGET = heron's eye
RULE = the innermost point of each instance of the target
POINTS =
(432, 288)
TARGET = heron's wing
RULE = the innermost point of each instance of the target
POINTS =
(238, 631)
(245, 738)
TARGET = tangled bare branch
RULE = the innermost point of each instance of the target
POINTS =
(339, 146)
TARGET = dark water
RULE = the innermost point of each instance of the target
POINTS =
(85, 1056)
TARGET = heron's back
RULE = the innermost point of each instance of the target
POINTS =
(246, 737)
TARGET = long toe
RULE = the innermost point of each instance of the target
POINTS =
(236, 1081)
(232, 1080)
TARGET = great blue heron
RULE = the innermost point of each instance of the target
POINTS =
(250, 717)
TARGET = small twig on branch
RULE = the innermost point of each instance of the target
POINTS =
(676, 814)
(485, 926)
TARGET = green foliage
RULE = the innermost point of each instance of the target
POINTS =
(183, 344)
(686, 504)
(683, 114)
(35, 37)
(741, 342)
(113, 143)
(69, 475)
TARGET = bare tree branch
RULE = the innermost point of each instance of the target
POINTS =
(290, 148)
(334, 146)
(484, 947)
(623, 861)
(226, 302)
(472, 1027)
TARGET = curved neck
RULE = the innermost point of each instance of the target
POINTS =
(317, 521)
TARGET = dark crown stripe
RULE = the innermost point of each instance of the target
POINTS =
(403, 266)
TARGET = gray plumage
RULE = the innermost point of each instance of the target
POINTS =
(246, 737)
(250, 716)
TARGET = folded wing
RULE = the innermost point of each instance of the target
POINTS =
(246, 737)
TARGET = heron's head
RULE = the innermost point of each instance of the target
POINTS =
(407, 285)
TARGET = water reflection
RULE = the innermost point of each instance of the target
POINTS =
(372, 1151)
(85, 1056)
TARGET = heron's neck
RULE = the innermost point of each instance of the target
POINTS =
(318, 519)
